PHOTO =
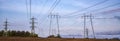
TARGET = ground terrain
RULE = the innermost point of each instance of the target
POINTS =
(50, 39)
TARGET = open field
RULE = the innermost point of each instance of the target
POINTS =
(48, 39)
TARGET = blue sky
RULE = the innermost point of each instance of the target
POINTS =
(70, 23)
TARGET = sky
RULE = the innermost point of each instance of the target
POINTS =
(106, 15)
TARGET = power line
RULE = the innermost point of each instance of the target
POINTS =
(53, 6)
(51, 15)
(43, 21)
(113, 10)
(96, 10)
(105, 7)
(87, 7)
(26, 2)
(45, 17)
(30, 7)
(103, 11)
(31, 18)
(44, 5)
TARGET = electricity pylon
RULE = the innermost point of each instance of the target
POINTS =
(32, 26)
(6, 28)
(91, 21)
(58, 27)
(86, 32)
(84, 25)
(51, 30)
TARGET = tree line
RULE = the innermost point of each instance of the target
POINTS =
(17, 34)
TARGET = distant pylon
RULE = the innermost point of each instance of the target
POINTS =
(50, 27)
(32, 26)
(85, 28)
(87, 33)
(92, 25)
(51, 30)
(58, 27)
(84, 25)
(6, 28)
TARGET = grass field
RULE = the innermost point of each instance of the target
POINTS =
(49, 39)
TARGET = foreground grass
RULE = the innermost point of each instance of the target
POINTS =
(50, 39)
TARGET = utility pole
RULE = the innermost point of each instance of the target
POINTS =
(6, 28)
(32, 26)
(30, 7)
